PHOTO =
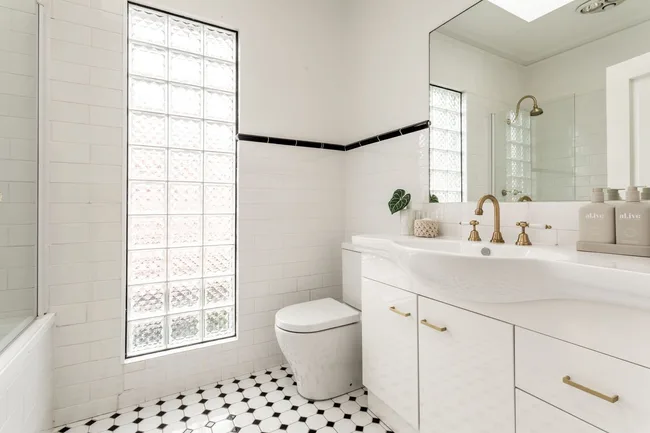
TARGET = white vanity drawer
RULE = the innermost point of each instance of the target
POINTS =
(536, 416)
(609, 393)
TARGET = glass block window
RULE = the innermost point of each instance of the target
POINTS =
(518, 157)
(181, 210)
(445, 144)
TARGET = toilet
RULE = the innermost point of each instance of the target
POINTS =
(321, 339)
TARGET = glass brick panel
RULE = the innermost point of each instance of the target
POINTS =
(184, 329)
(147, 266)
(186, 68)
(147, 163)
(185, 165)
(220, 322)
(219, 229)
(219, 75)
(185, 133)
(147, 95)
(185, 263)
(146, 301)
(181, 181)
(148, 61)
(147, 232)
(147, 25)
(219, 106)
(185, 230)
(185, 100)
(219, 199)
(219, 44)
(185, 198)
(446, 120)
(219, 291)
(185, 295)
(445, 99)
(218, 260)
(147, 198)
(445, 140)
(219, 136)
(147, 129)
(219, 167)
(146, 336)
(185, 35)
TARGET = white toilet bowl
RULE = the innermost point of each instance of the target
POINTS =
(321, 340)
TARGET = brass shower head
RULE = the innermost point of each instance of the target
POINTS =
(536, 111)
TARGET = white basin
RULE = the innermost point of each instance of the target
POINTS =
(503, 273)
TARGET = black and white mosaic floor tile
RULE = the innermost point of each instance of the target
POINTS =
(263, 402)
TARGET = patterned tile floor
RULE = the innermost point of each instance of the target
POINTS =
(265, 401)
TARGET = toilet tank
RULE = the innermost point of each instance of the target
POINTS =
(351, 276)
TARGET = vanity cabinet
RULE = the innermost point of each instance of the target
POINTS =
(390, 347)
(609, 393)
(536, 416)
(466, 371)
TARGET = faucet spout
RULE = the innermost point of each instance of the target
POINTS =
(497, 237)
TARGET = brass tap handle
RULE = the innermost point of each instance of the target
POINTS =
(473, 235)
(523, 239)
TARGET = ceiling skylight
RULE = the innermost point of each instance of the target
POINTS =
(530, 10)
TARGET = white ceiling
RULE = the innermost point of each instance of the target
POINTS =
(492, 29)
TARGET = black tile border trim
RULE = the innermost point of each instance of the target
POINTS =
(329, 146)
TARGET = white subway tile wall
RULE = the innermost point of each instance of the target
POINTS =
(18, 161)
(290, 229)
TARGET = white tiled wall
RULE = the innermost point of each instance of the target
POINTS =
(26, 380)
(18, 175)
(290, 220)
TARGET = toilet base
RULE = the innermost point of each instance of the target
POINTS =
(325, 364)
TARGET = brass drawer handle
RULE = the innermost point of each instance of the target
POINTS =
(568, 381)
(437, 328)
(396, 311)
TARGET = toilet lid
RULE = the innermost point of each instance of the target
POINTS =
(315, 316)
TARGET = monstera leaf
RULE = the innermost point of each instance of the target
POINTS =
(399, 201)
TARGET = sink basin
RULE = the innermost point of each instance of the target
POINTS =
(503, 273)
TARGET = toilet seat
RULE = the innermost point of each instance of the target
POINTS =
(315, 316)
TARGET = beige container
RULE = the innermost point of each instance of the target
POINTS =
(426, 228)
(633, 220)
(596, 220)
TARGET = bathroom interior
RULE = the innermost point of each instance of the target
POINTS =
(327, 216)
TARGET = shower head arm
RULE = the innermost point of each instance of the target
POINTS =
(519, 105)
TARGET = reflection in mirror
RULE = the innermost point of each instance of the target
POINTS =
(517, 108)
(18, 166)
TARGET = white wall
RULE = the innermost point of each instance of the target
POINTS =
(26, 380)
(18, 173)
(290, 198)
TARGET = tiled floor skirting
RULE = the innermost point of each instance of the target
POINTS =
(266, 401)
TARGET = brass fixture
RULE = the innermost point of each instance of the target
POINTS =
(473, 235)
(523, 239)
(525, 198)
(536, 111)
(437, 328)
(396, 311)
(568, 381)
(497, 237)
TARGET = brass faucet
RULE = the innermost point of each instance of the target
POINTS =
(525, 198)
(497, 237)
(523, 239)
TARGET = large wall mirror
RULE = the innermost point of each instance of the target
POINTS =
(517, 96)
(19, 73)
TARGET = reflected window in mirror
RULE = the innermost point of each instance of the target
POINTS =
(446, 145)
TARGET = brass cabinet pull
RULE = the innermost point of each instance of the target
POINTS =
(396, 311)
(568, 381)
(437, 328)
